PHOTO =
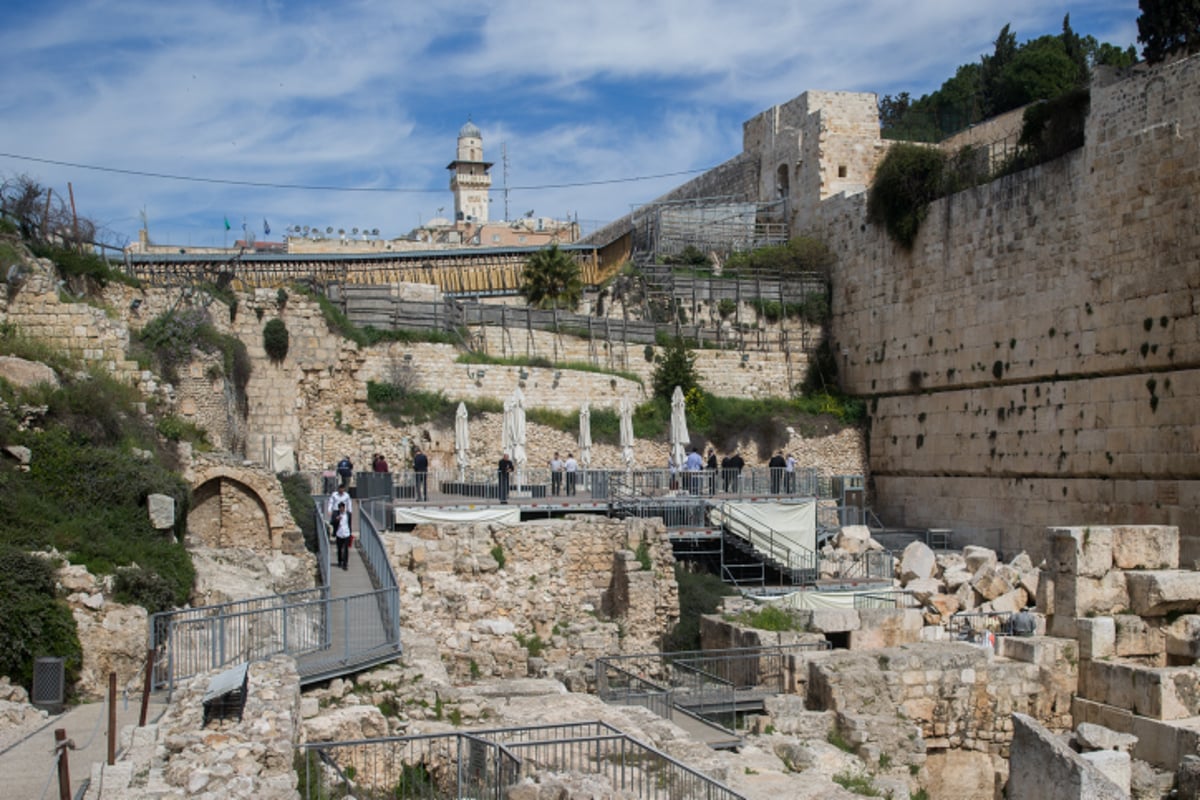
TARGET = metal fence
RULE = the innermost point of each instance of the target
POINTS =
(895, 598)
(487, 763)
(327, 635)
(714, 685)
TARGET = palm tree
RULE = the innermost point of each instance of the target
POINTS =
(551, 280)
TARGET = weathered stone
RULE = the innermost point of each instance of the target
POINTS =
(959, 774)
(161, 508)
(917, 562)
(1042, 767)
(1183, 636)
(990, 583)
(1157, 593)
(24, 374)
(976, 558)
(854, 539)
(1146, 546)
(1097, 637)
(924, 588)
(346, 724)
(1084, 552)
(954, 577)
(19, 453)
(1136, 636)
(1187, 778)
(1097, 737)
(1116, 766)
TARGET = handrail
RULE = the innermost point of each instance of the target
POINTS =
(380, 566)
(793, 556)
(486, 763)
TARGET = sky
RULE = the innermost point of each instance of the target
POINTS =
(599, 106)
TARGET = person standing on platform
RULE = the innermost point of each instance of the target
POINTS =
(571, 467)
(421, 474)
(673, 469)
(694, 466)
(379, 464)
(777, 466)
(726, 474)
(736, 463)
(711, 466)
(339, 523)
(789, 470)
(556, 471)
(505, 471)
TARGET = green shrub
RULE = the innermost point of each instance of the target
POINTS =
(725, 308)
(498, 554)
(175, 429)
(298, 494)
(643, 556)
(33, 622)
(72, 263)
(908, 179)
(137, 585)
(769, 618)
(699, 593)
(857, 782)
(275, 340)
(532, 644)
(168, 340)
(800, 254)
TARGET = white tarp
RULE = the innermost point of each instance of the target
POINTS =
(796, 521)
(513, 432)
(807, 601)
(419, 516)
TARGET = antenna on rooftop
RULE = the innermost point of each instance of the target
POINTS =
(504, 163)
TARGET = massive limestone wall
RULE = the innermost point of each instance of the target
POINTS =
(1035, 359)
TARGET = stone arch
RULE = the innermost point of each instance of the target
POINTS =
(782, 182)
(242, 507)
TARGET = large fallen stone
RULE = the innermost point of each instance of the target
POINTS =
(1097, 737)
(346, 724)
(1183, 636)
(917, 562)
(1043, 767)
(1114, 765)
(1146, 546)
(977, 558)
(854, 539)
(955, 577)
(24, 374)
(990, 583)
(1158, 593)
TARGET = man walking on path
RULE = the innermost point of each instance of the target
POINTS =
(341, 496)
(345, 470)
(421, 474)
(340, 523)
(504, 470)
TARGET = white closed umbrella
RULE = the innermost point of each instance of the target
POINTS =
(462, 441)
(627, 432)
(679, 430)
(585, 436)
(514, 432)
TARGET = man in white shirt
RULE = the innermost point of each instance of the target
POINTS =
(556, 471)
(570, 466)
(339, 496)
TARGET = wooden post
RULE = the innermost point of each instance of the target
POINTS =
(74, 218)
(150, 658)
(64, 770)
(112, 718)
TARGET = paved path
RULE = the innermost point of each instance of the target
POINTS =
(27, 768)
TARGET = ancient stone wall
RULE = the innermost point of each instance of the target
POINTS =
(1034, 357)
(565, 582)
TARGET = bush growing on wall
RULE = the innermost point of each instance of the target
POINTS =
(33, 621)
(908, 179)
(275, 340)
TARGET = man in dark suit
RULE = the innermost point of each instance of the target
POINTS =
(421, 474)
(505, 470)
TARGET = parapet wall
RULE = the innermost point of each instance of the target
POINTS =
(1034, 357)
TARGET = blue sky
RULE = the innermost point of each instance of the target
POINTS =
(369, 94)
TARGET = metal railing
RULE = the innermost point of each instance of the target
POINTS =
(711, 684)
(327, 635)
(968, 626)
(870, 566)
(787, 555)
(895, 598)
(487, 763)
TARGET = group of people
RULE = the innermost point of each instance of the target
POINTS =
(560, 467)
(702, 472)
(341, 528)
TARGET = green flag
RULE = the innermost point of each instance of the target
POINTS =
(227, 223)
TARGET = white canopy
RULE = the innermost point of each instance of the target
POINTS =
(462, 441)
(585, 436)
(627, 432)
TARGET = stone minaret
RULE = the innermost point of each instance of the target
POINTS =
(469, 179)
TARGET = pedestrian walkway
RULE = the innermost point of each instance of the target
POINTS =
(28, 769)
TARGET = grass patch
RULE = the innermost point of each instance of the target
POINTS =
(339, 323)
(769, 618)
(835, 739)
(400, 405)
(532, 644)
(72, 263)
(857, 782)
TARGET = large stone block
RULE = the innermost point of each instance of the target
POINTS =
(1136, 636)
(1082, 596)
(834, 620)
(1183, 636)
(1114, 765)
(991, 583)
(1097, 637)
(1042, 767)
(1157, 593)
(918, 561)
(978, 557)
(1146, 546)
(1084, 551)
